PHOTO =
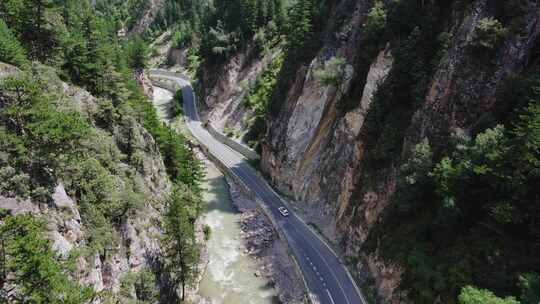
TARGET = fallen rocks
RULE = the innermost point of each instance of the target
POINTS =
(264, 245)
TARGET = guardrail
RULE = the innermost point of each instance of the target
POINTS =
(282, 235)
(238, 147)
(168, 73)
(224, 139)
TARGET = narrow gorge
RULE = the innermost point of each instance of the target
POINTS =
(373, 151)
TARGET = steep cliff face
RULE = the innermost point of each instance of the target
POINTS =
(224, 87)
(337, 149)
(312, 149)
(69, 227)
(316, 150)
(149, 11)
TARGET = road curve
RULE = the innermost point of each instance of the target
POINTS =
(327, 279)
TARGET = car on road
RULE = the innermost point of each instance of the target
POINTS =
(283, 211)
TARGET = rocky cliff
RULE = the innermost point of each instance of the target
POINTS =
(72, 229)
(435, 72)
(224, 87)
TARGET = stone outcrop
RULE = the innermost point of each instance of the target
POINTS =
(223, 92)
(314, 150)
(139, 233)
(147, 16)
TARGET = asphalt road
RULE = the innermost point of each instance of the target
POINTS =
(327, 279)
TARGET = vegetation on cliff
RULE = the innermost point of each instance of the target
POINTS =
(464, 211)
(96, 146)
(463, 221)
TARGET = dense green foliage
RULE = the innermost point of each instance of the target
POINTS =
(178, 104)
(33, 266)
(96, 152)
(180, 245)
(11, 50)
(75, 37)
(472, 214)
(35, 133)
(471, 295)
(258, 99)
(230, 25)
(137, 51)
(187, 15)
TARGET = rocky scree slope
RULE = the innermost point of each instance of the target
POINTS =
(408, 72)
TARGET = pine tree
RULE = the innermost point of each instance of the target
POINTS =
(181, 249)
(33, 266)
(11, 50)
(37, 31)
(300, 27)
(137, 52)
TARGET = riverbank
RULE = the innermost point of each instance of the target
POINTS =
(264, 245)
(229, 274)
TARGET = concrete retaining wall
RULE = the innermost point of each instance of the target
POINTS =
(238, 147)
(169, 85)
(173, 86)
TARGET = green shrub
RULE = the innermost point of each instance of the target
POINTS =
(228, 131)
(333, 72)
(181, 37)
(207, 232)
(472, 295)
(194, 61)
(489, 33)
(33, 265)
(178, 104)
(418, 164)
(376, 20)
(137, 51)
(142, 285)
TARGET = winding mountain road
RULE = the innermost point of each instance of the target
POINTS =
(326, 277)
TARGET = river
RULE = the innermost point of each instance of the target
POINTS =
(230, 274)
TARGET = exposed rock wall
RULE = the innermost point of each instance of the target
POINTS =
(310, 153)
(315, 149)
(315, 154)
(147, 16)
(223, 89)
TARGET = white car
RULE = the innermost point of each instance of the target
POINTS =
(283, 211)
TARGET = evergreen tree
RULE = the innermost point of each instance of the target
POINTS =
(300, 27)
(11, 50)
(181, 249)
(137, 52)
(33, 266)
